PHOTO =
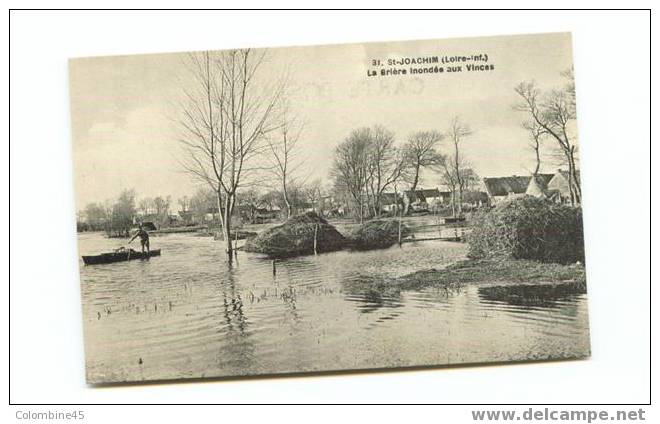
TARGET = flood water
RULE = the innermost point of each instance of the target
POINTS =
(186, 314)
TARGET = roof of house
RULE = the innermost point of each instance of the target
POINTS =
(564, 174)
(388, 198)
(475, 196)
(429, 192)
(502, 186)
(149, 226)
(543, 179)
(516, 184)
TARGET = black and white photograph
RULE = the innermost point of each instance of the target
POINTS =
(329, 208)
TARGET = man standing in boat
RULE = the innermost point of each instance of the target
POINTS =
(144, 238)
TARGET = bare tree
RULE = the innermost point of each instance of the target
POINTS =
(421, 151)
(312, 192)
(184, 203)
(225, 117)
(466, 180)
(536, 133)
(449, 180)
(202, 202)
(469, 178)
(458, 131)
(96, 216)
(283, 146)
(554, 112)
(162, 208)
(350, 166)
(146, 205)
(385, 165)
(248, 204)
(123, 212)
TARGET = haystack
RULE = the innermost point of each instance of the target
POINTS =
(529, 228)
(296, 237)
(378, 234)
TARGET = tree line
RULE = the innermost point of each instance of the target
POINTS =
(551, 117)
(117, 217)
(113, 217)
(237, 133)
(369, 164)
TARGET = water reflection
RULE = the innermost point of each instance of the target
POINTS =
(370, 293)
(188, 314)
(544, 295)
(232, 304)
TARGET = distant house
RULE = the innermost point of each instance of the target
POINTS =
(445, 197)
(499, 188)
(429, 195)
(421, 198)
(331, 206)
(187, 216)
(550, 186)
(470, 199)
(266, 212)
(389, 201)
(304, 207)
(559, 186)
(538, 185)
(149, 221)
(174, 219)
(475, 199)
(212, 214)
(149, 226)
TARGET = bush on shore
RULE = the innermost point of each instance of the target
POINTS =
(529, 228)
(377, 234)
(296, 237)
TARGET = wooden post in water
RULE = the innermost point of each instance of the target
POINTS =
(316, 231)
(274, 269)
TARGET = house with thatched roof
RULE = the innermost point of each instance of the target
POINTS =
(538, 185)
(559, 185)
(499, 188)
(475, 199)
(421, 199)
(445, 197)
(390, 201)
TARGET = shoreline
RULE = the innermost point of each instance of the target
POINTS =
(484, 272)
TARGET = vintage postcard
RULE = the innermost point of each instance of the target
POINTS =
(323, 208)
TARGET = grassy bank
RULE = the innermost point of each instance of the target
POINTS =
(481, 271)
(511, 271)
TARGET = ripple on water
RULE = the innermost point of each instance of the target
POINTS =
(186, 314)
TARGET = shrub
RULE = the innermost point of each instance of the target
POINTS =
(296, 237)
(528, 228)
(378, 234)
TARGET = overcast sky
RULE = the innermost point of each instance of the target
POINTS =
(124, 108)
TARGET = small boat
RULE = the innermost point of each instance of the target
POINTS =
(119, 255)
